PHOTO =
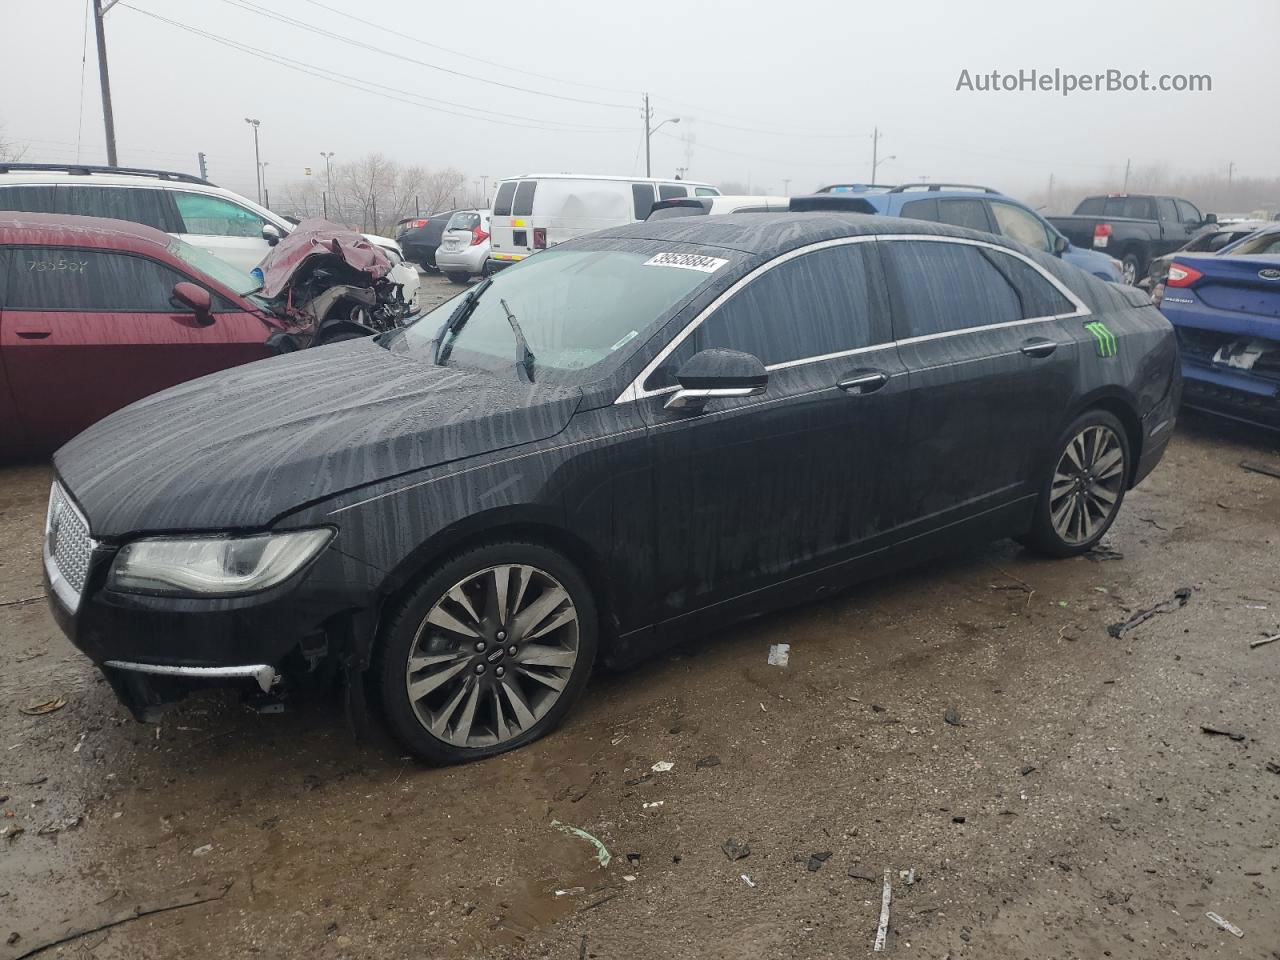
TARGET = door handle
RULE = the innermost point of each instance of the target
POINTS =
(33, 334)
(1039, 347)
(863, 381)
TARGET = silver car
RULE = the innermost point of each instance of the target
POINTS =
(464, 248)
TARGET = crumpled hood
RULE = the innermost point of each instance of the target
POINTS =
(236, 449)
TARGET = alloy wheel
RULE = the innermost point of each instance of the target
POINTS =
(1129, 272)
(492, 656)
(1087, 484)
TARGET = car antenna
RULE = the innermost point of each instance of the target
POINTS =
(526, 355)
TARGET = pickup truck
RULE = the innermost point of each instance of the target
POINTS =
(1133, 228)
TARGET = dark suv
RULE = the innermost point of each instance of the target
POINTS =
(630, 437)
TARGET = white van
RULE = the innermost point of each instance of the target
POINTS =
(536, 211)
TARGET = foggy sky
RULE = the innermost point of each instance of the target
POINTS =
(810, 79)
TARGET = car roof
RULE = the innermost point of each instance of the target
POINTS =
(604, 176)
(770, 234)
(64, 230)
(91, 173)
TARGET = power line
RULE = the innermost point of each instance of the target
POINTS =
(363, 85)
(302, 24)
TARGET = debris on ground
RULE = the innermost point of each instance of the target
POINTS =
(1266, 469)
(602, 852)
(1263, 641)
(22, 602)
(1180, 598)
(908, 877)
(633, 858)
(57, 826)
(40, 709)
(1221, 732)
(747, 880)
(662, 766)
(1226, 925)
(816, 860)
(707, 762)
(1028, 770)
(655, 803)
(12, 833)
(859, 872)
(1101, 553)
(952, 716)
(957, 819)
(1273, 767)
(886, 895)
(735, 849)
(779, 654)
(636, 781)
(202, 851)
(571, 892)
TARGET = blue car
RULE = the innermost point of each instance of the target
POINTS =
(979, 208)
(1226, 311)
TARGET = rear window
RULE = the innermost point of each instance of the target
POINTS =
(921, 210)
(964, 213)
(463, 221)
(522, 205)
(28, 199)
(502, 203)
(670, 191)
(137, 204)
(706, 192)
(1090, 207)
(680, 210)
(1140, 208)
(642, 197)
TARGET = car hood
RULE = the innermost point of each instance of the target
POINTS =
(236, 449)
(1091, 261)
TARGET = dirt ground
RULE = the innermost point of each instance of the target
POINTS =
(1074, 809)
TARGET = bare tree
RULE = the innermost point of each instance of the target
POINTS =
(1216, 192)
(9, 150)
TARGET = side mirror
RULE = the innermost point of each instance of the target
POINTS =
(714, 374)
(1210, 218)
(1060, 244)
(271, 234)
(196, 298)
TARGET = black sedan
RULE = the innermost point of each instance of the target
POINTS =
(631, 437)
(420, 238)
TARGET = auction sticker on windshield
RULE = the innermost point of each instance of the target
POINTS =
(686, 261)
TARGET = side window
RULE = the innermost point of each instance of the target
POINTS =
(921, 210)
(1216, 241)
(502, 202)
(1018, 224)
(215, 217)
(671, 191)
(706, 192)
(1037, 296)
(1166, 210)
(942, 287)
(522, 205)
(642, 197)
(61, 278)
(816, 304)
(964, 213)
(137, 204)
(28, 199)
(1187, 213)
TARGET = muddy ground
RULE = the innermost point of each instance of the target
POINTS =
(1075, 808)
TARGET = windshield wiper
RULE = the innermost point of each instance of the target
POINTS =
(457, 319)
(526, 355)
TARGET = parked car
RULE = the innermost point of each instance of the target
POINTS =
(1263, 241)
(464, 247)
(704, 206)
(962, 205)
(218, 221)
(624, 440)
(537, 211)
(1134, 228)
(1226, 311)
(402, 272)
(1212, 239)
(421, 237)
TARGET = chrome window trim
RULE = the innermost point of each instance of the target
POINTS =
(636, 391)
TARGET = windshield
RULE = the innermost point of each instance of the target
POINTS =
(1264, 241)
(224, 273)
(578, 309)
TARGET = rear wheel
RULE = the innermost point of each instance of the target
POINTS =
(458, 277)
(1131, 269)
(488, 653)
(1084, 489)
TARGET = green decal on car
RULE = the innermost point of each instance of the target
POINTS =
(1107, 344)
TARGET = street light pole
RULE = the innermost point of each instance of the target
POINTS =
(650, 131)
(257, 160)
(266, 202)
(328, 180)
(100, 8)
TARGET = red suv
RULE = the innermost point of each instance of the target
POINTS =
(96, 313)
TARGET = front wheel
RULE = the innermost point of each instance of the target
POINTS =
(458, 277)
(1131, 269)
(488, 653)
(1083, 492)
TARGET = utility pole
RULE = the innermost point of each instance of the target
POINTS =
(257, 159)
(484, 189)
(786, 188)
(1125, 188)
(875, 148)
(204, 167)
(647, 115)
(1231, 169)
(100, 8)
(328, 181)
(1049, 200)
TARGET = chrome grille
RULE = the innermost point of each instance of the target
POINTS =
(67, 544)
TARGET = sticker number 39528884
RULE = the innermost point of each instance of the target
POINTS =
(686, 261)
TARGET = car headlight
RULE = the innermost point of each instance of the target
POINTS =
(214, 566)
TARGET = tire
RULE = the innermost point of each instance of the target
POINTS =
(1131, 269)
(460, 278)
(1070, 517)
(484, 700)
